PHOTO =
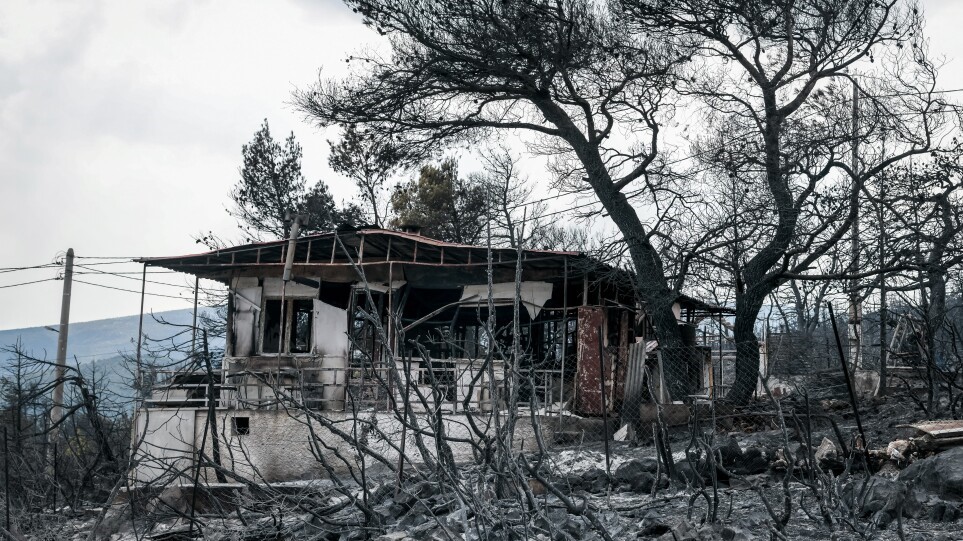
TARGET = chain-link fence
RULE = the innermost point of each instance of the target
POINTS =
(569, 409)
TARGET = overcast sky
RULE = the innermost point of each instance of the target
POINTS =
(121, 124)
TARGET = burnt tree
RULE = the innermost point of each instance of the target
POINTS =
(567, 75)
(774, 81)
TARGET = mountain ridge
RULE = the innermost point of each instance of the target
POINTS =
(97, 339)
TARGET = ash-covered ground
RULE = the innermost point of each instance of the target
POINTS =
(753, 477)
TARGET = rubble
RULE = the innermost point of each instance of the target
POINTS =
(899, 450)
(934, 435)
(826, 453)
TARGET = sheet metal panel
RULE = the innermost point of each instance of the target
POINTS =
(588, 372)
(635, 385)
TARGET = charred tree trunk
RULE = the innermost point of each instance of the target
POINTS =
(211, 413)
(748, 305)
(651, 281)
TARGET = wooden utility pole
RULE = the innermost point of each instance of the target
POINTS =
(855, 304)
(286, 275)
(139, 383)
(197, 283)
(56, 412)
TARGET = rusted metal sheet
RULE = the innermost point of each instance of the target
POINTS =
(588, 373)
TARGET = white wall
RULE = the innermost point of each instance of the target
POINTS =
(163, 443)
(287, 446)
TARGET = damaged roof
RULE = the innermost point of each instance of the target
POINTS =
(339, 256)
(384, 255)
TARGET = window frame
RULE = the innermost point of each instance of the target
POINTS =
(287, 324)
(237, 429)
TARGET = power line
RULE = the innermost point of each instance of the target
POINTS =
(131, 290)
(111, 263)
(183, 286)
(98, 271)
(14, 269)
(28, 283)
(105, 257)
(139, 272)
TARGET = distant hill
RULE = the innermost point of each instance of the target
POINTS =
(99, 346)
(100, 339)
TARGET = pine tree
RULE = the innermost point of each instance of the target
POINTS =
(272, 188)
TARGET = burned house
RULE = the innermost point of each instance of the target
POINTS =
(365, 322)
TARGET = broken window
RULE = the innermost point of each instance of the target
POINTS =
(290, 326)
(242, 425)
(366, 335)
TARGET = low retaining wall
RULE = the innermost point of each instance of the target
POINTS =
(268, 445)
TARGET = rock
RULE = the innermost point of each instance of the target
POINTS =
(826, 450)
(405, 497)
(414, 492)
(427, 489)
(117, 517)
(443, 507)
(686, 531)
(457, 519)
(942, 511)
(434, 534)
(631, 469)
(652, 527)
(734, 533)
(827, 456)
(559, 524)
(412, 520)
(514, 515)
(383, 513)
(681, 531)
(572, 482)
(940, 475)
(595, 480)
(930, 536)
(382, 494)
(881, 498)
(642, 483)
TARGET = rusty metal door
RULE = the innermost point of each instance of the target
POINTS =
(588, 372)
